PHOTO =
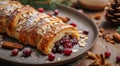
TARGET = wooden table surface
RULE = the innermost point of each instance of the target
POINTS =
(100, 46)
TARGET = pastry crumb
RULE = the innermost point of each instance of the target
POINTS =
(59, 59)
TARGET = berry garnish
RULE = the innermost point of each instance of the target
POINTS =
(67, 51)
(15, 52)
(73, 24)
(118, 58)
(51, 57)
(107, 54)
(68, 45)
(56, 12)
(85, 32)
(41, 10)
(27, 52)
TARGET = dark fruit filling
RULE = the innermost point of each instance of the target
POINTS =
(66, 42)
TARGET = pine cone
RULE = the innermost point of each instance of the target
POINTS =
(113, 11)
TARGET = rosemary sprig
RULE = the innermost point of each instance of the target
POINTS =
(46, 4)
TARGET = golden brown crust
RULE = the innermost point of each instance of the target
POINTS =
(48, 40)
(14, 20)
(6, 9)
(33, 35)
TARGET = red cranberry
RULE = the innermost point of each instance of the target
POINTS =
(15, 52)
(73, 24)
(51, 57)
(67, 51)
(56, 12)
(85, 32)
(60, 49)
(41, 10)
(118, 58)
(68, 45)
(27, 52)
(107, 54)
(66, 39)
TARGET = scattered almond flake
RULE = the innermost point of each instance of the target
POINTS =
(46, 20)
(56, 23)
(75, 50)
(81, 44)
(82, 36)
(22, 58)
(59, 59)
(47, 61)
(24, 15)
(86, 38)
(30, 13)
(80, 31)
(44, 32)
(39, 32)
(82, 40)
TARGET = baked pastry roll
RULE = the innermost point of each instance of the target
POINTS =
(6, 9)
(36, 29)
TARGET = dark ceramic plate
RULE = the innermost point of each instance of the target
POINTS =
(37, 58)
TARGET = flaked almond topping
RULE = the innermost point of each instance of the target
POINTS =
(44, 32)
(19, 28)
(39, 32)
(56, 23)
(47, 20)
(24, 15)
